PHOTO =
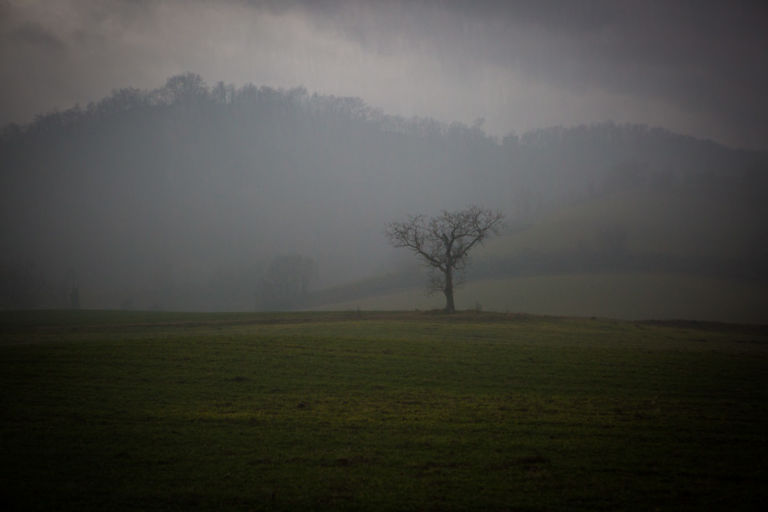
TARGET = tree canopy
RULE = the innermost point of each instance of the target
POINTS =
(445, 241)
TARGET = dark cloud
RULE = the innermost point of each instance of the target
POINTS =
(708, 58)
(696, 67)
(34, 34)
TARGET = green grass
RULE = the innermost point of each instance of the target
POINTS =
(631, 296)
(379, 411)
(673, 222)
(722, 282)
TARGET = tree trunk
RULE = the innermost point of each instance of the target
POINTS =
(448, 291)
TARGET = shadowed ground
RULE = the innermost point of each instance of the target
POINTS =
(379, 411)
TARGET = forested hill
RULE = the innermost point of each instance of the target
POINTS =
(183, 197)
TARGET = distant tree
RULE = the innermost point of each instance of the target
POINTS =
(444, 242)
(287, 281)
(74, 297)
(185, 89)
(123, 100)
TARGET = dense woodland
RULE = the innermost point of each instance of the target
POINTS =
(198, 197)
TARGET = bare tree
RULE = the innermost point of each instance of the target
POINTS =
(444, 242)
(287, 281)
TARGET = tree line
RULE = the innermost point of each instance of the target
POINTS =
(183, 196)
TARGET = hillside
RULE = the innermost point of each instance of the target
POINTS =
(630, 296)
(188, 197)
(634, 255)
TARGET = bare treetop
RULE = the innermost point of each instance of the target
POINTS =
(444, 242)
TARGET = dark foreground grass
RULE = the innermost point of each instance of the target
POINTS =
(127, 411)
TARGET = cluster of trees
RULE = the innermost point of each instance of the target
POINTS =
(181, 197)
(286, 282)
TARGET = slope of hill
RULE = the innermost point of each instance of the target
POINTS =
(636, 255)
(632, 296)
(180, 197)
(705, 232)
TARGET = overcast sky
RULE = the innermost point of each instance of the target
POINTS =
(695, 67)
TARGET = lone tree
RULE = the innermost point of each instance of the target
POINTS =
(286, 281)
(444, 242)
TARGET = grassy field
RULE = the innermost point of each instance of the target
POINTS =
(631, 296)
(668, 266)
(379, 411)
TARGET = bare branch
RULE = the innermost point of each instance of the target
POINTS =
(444, 242)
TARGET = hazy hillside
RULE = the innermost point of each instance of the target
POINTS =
(184, 197)
(634, 254)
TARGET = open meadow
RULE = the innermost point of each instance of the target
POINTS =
(380, 411)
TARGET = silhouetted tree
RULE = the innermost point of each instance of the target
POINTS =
(444, 242)
(184, 89)
(287, 281)
(74, 297)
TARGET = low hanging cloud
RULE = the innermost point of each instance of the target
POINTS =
(697, 68)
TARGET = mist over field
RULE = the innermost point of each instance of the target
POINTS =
(384, 255)
(267, 181)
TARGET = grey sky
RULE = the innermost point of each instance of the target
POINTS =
(699, 68)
